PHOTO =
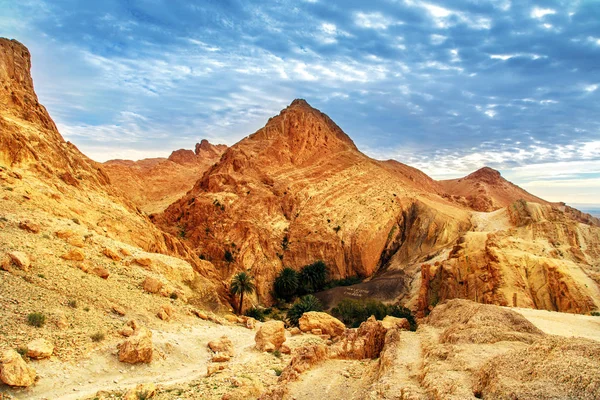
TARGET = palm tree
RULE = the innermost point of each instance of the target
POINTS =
(242, 284)
(305, 304)
(286, 283)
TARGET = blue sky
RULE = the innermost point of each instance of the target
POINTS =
(447, 87)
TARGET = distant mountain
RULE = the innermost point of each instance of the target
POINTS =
(154, 183)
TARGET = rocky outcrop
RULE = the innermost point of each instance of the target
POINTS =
(270, 336)
(14, 371)
(366, 341)
(327, 324)
(137, 348)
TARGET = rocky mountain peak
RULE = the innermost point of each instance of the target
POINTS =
(485, 174)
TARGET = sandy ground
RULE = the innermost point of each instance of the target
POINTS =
(563, 324)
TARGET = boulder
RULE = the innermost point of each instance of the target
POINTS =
(111, 254)
(76, 241)
(270, 336)
(141, 391)
(166, 313)
(152, 285)
(74, 255)
(14, 371)
(137, 348)
(124, 252)
(365, 342)
(126, 331)
(64, 234)
(118, 310)
(20, 259)
(390, 322)
(295, 331)
(39, 348)
(319, 320)
(222, 346)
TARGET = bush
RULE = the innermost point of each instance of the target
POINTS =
(305, 304)
(255, 313)
(36, 319)
(354, 312)
(313, 277)
(286, 284)
(595, 313)
(228, 256)
(97, 337)
(277, 371)
(348, 281)
(72, 303)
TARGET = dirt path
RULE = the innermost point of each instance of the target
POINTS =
(184, 358)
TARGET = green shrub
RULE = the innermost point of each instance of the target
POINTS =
(228, 256)
(72, 303)
(277, 353)
(595, 313)
(313, 277)
(348, 281)
(277, 371)
(174, 296)
(305, 304)
(97, 337)
(36, 319)
(22, 351)
(286, 284)
(255, 313)
(354, 312)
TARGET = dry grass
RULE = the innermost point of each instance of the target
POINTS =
(551, 368)
(469, 322)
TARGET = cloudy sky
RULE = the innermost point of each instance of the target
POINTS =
(447, 87)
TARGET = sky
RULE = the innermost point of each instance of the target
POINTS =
(447, 87)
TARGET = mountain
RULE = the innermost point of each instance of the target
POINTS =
(486, 190)
(154, 183)
(298, 190)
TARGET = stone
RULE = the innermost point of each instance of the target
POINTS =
(30, 226)
(166, 312)
(14, 371)
(152, 285)
(61, 321)
(76, 241)
(118, 310)
(366, 341)
(390, 322)
(222, 345)
(141, 391)
(137, 348)
(124, 252)
(316, 331)
(200, 314)
(143, 261)
(285, 349)
(231, 318)
(64, 234)
(39, 348)
(270, 335)
(101, 271)
(111, 254)
(126, 331)
(319, 320)
(220, 358)
(213, 369)
(74, 255)
(295, 331)
(20, 259)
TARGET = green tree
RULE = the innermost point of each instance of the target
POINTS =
(286, 283)
(305, 304)
(241, 284)
(313, 277)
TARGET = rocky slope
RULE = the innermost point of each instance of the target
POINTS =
(152, 184)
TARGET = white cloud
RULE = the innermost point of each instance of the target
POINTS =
(590, 88)
(539, 13)
(374, 20)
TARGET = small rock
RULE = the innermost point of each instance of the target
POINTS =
(213, 369)
(39, 348)
(20, 259)
(118, 310)
(200, 314)
(76, 241)
(390, 322)
(222, 345)
(101, 272)
(152, 285)
(143, 261)
(220, 358)
(316, 331)
(30, 226)
(295, 331)
(125, 252)
(285, 349)
(64, 234)
(111, 254)
(126, 331)
(313, 320)
(14, 371)
(74, 255)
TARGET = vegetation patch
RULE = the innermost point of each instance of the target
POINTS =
(354, 312)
